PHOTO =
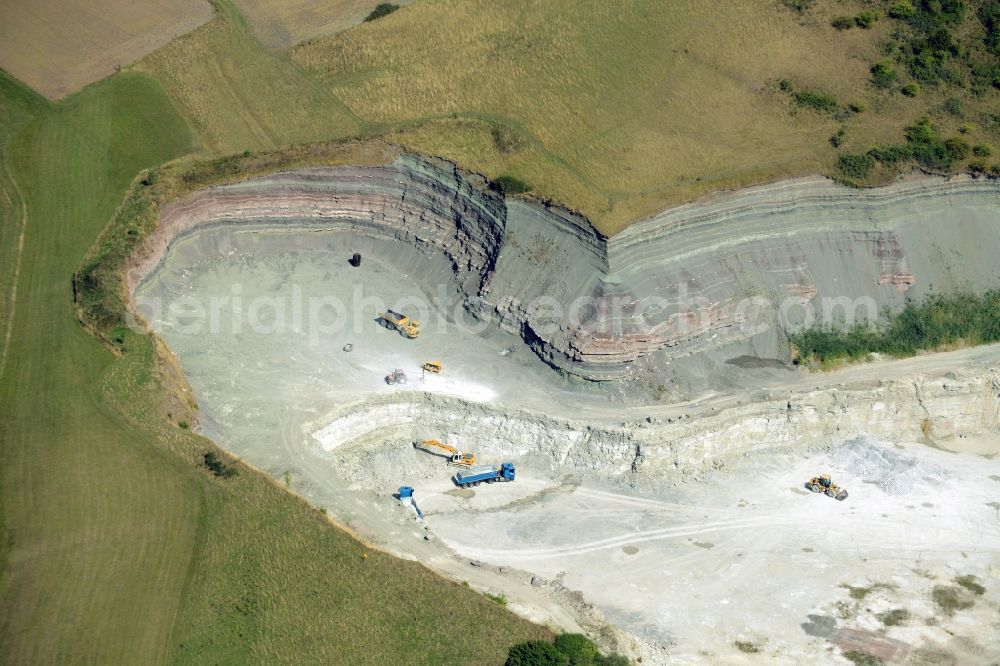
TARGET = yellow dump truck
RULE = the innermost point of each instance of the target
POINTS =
(400, 322)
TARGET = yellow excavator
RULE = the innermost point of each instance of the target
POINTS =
(400, 322)
(455, 457)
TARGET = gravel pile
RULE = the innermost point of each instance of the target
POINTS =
(894, 473)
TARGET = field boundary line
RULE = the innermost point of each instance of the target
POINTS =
(8, 334)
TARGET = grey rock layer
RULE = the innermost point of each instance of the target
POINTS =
(735, 269)
(658, 452)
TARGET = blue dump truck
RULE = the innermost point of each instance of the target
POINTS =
(405, 496)
(485, 473)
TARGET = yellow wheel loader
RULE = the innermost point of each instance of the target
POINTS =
(824, 484)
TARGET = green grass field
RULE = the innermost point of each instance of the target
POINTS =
(118, 547)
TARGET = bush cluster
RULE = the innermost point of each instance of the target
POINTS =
(383, 9)
(856, 166)
(866, 19)
(217, 467)
(507, 184)
(935, 322)
(568, 650)
(842, 22)
(924, 145)
(816, 100)
(989, 16)
(928, 149)
(883, 74)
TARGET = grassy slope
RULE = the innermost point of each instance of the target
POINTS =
(118, 546)
(617, 109)
(622, 108)
(18, 105)
(240, 96)
(283, 23)
(100, 526)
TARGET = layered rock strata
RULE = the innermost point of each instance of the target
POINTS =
(664, 450)
(735, 269)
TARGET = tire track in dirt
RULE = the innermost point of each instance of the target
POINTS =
(622, 540)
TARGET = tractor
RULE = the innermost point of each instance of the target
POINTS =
(397, 376)
(823, 484)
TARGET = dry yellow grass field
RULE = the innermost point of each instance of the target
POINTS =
(58, 47)
(617, 109)
(621, 108)
(284, 23)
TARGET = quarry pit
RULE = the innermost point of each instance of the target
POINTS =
(642, 385)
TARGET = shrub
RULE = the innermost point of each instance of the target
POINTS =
(816, 100)
(536, 653)
(119, 334)
(507, 184)
(894, 617)
(950, 599)
(568, 650)
(500, 599)
(883, 74)
(838, 137)
(842, 22)
(935, 322)
(866, 19)
(989, 16)
(928, 149)
(978, 167)
(859, 658)
(902, 10)
(784, 85)
(953, 107)
(972, 584)
(217, 467)
(982, 150)
(957, 149)
(798, 5)
(856, 167)
(383, 9)
(890, 155)
(910, 89)
(578, 648)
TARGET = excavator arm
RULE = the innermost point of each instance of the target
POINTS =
(455, 457)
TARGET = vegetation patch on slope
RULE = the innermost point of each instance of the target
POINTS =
(937, 322)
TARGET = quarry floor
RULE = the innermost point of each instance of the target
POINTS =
(740, 564)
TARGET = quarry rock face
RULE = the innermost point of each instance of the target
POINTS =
(737, 269)
(665, 451)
